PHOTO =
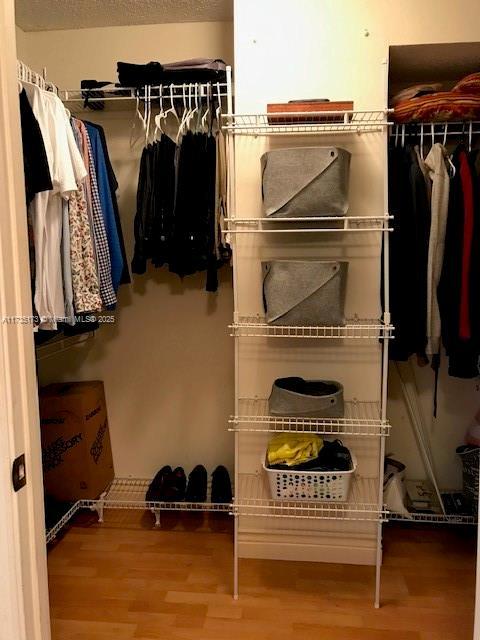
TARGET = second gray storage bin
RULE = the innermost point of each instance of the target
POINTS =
(304, 292)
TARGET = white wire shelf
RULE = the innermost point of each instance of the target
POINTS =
(125, 98)
(435, 129)
(313, 224)
(129, 493)
(62, 343)
(432, 518)
(354, 329)
(53, 531)
(328, 122)
(362, 505)
(361, 419)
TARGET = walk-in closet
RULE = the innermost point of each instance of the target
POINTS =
(239, 301)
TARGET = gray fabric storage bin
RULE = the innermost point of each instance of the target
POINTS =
(296, 397)
(305, 182)
(304, 292)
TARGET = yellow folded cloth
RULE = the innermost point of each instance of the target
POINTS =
(292, 449)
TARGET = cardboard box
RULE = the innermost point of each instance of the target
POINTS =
(76, 449)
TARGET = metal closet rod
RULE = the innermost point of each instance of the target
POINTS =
(176, 91)
(440, 129)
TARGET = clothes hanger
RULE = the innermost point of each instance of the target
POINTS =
(217, 111)
(181, 128)
(470, 133)
(148, 111)
(188, 113)
(422, 154)
(207, 111)
(198, 105)
(172, 108)
(448, 157)
(137, 114)
(159, 116)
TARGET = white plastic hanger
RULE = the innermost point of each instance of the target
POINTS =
(172, 109)
(181, 127)
(137, 115)
(207, 111)
(160, 116)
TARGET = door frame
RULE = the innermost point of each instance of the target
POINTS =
(24, 606)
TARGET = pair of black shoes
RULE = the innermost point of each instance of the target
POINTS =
(172, 486)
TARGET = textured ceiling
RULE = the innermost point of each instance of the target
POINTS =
(43, 15)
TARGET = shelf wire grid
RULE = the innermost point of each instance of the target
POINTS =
(361, 419)
(129, 493)
(354, 329)
(433, 518)
(53, 531)
(321, 122)
(362, 505)
(310, 224)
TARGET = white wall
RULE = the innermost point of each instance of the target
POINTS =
(21, 39)
(167, 363)
(73, 55)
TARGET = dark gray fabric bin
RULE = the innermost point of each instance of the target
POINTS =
(305, 182)
(304, 292)
(296, 397)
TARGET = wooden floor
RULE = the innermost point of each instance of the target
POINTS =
(124, 580)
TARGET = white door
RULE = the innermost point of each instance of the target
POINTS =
(24, 613)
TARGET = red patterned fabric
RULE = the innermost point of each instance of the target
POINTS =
(439, 107)
(469, 84)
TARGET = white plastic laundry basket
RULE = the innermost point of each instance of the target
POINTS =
(310, 486)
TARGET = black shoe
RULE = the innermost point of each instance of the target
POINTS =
(154, 491)
(197, 485)
(173, 488)
(221, 486)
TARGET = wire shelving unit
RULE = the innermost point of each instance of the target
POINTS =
(306, 123)
(126, 98)
(361, 419)
(314, 224)
(433, 518)
(354, 329)
(129, 493)
(253, 499)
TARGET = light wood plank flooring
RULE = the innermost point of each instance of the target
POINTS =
(124, 580)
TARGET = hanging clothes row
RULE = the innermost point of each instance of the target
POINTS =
(75, 237)
(182, 187)
(435, 254)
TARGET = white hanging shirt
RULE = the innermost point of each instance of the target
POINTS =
(435, 162)
(66, 168)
